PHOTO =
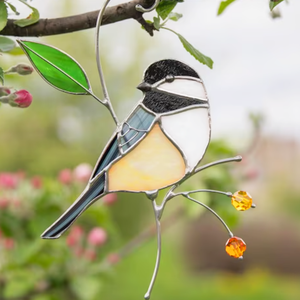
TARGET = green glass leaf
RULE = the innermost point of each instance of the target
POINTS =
(196, 53)
(57, 68)
(274, 3)
(175, 16)
(224, 5)
(31, 19)
(1, 76)
(165, 7)
(13, 8)
(6, 44)
(3, 15)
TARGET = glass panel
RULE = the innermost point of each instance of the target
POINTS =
(81, 204)
(184, 87)
(190, 130)
(140, 121)
(153, 164)
(111, 153)
(62, 61)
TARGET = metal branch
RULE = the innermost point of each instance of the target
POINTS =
(228, 194)
(171, 193)
(212, 211)
(46, 27)
(158, 231)
(218, 162)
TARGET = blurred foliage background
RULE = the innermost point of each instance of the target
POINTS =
(60, 131)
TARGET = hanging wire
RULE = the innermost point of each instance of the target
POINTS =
(106, 100)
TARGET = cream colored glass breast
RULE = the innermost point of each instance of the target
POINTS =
(153, 164)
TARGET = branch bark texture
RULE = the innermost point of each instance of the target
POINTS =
(113, 14)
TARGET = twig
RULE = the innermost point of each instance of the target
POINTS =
(45, 27)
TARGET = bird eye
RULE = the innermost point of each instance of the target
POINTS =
(170, 78)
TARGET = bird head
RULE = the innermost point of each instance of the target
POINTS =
(170, 85)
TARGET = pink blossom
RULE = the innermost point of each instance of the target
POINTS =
(24, 69)
(21, 98)
(36, 182)
(110, 199)
(8, 243)
(71, 240)
(97, 236)
(8, 180)
(78, 251)
(21, 69)
(4, 203)
(16, 202)
(252, 174)
(77, 230)
(82, 172)
(74, 236)
(20, 174)
(4, 91)
(90, 254)
(113, 258)
(65, 176)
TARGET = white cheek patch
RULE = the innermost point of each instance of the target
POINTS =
(184, 87)
(190, 130)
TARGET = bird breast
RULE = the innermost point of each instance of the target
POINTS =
(190, 132)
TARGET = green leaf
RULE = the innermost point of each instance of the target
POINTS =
(175, 16)
(165, 7)
(57, 68)
(224, 5)
(3, 15)
(31, 19)
(274, 3)
(13, 8)
(156, 23)
(1, 76)
(194, 52)
(6, 44)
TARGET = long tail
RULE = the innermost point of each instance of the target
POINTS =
(92, 192)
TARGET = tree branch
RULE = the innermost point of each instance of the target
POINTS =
(45, 27)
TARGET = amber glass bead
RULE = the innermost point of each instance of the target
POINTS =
(241, 200)
(235, 247)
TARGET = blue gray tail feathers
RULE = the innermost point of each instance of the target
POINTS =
(90, 194)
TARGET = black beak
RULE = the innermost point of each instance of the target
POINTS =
(144, 87)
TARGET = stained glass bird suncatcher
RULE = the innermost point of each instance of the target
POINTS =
(159, 145)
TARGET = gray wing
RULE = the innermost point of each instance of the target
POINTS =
(133, 130)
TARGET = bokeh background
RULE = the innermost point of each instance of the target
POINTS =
(256, 71)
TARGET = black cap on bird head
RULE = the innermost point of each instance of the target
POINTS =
(167, 67)
(161, 102)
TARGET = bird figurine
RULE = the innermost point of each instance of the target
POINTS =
(160, 143)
